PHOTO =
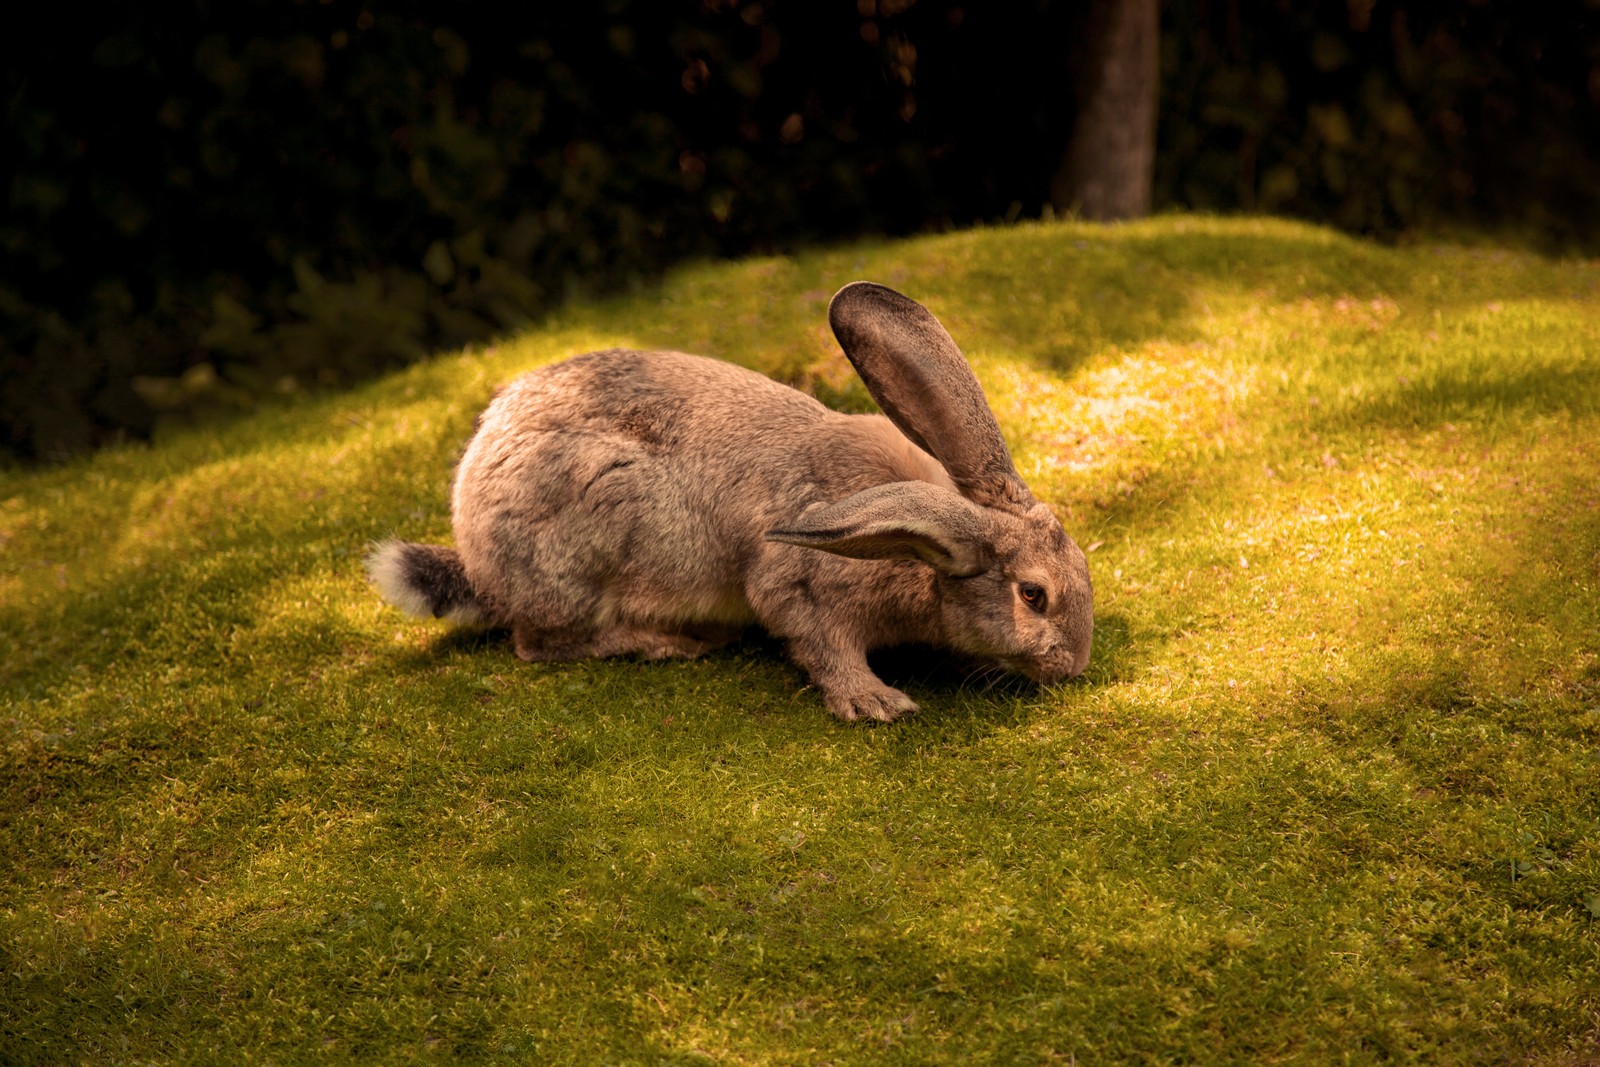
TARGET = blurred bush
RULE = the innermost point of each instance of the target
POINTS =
(1384, 118)
(214, 203)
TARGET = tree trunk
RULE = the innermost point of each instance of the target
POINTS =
(1109, 163)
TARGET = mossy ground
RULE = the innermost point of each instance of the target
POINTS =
(1329, 792)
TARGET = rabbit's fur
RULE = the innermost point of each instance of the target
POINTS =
(657, 503)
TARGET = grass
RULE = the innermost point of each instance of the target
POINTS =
(1328, 792)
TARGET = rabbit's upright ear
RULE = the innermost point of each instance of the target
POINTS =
(923, 383)
(899, 520)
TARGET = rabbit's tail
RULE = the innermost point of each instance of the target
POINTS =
(426, 581)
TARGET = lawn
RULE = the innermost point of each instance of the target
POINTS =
(1329, 791)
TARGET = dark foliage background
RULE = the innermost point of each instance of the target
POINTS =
(211, 203)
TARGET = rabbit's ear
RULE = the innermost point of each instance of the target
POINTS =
(923, 383)
(899, 520)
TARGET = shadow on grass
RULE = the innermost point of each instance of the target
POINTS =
(1462, 395)
(1489, 703)
(458, 641)
(939, 679)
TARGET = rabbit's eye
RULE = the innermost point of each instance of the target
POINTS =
(1032, 595)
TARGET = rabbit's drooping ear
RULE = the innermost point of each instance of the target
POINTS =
(899, 520)
(923, 383)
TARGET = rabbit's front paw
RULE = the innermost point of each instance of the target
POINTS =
(881, 704)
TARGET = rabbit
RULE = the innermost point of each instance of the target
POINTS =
(658, 504)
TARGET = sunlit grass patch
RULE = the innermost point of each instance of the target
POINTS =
(1327, 791)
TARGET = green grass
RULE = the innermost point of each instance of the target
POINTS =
(1330, 791)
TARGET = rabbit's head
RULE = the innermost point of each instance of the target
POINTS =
(1031, 609)
(1012, 586)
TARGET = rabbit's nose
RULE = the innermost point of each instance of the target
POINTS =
(1064, 662)
(1050, 671)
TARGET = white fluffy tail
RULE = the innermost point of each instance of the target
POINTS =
(427, 581)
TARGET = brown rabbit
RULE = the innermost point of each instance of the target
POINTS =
(657, 503)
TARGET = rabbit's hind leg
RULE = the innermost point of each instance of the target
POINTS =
(536, 645)
(623, 639)
(631, 640)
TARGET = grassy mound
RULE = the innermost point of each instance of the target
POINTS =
(1328, 790)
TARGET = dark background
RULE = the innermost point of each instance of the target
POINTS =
(210, 203)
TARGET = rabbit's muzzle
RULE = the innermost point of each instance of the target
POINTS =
(1056, 665)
